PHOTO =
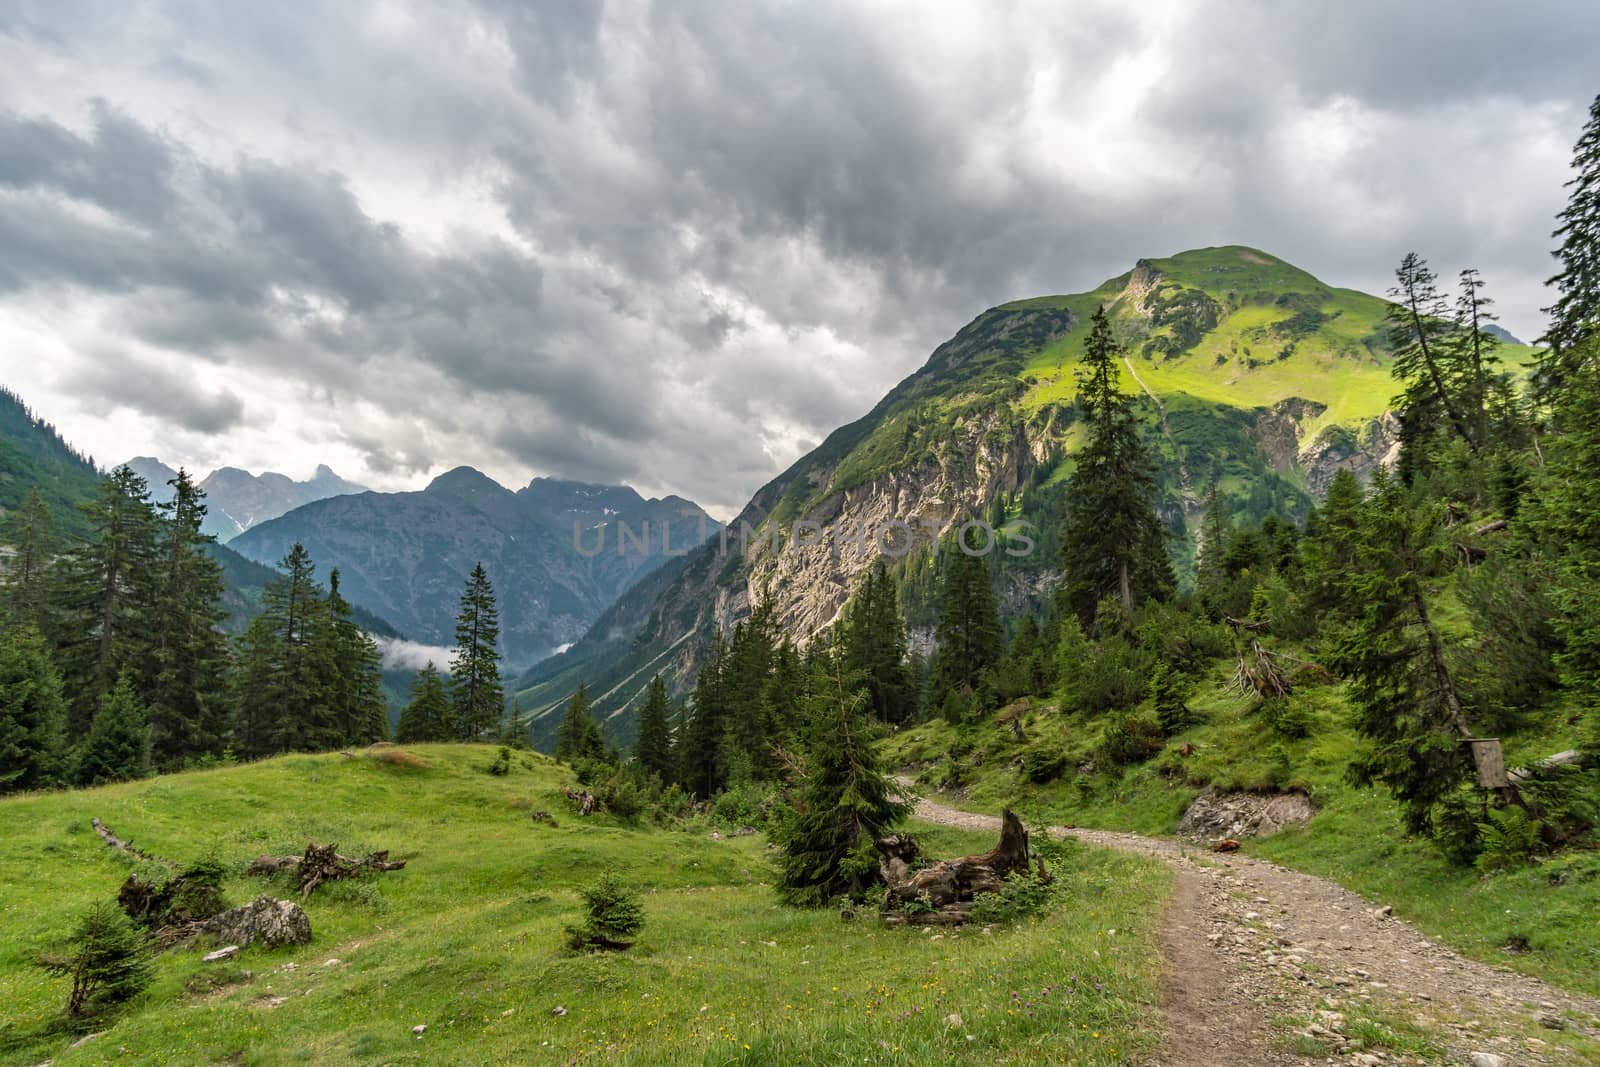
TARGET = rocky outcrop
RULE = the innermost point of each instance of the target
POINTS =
(1362, 451)
(1216, 814)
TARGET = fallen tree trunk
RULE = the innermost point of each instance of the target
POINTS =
(120, 845)
(322, 863)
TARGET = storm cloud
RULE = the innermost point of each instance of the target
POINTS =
(675, 245)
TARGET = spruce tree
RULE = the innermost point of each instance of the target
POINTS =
(653, 748)
(968, 632)
(107, 588)
(1407, 698)
(25, 583)
(117, 748)
(1426, 361)
(845, 802)
(33, 713)
(1575, 316)
(578, 738)
(429, 715)
(875, 646)
(360, 710)
(475, 666)
(700, 750)
(1112, 542)
(1216, 530)
(108, 961)
(285, 666)
(185, 662)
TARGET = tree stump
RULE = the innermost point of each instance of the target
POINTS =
(951, 885)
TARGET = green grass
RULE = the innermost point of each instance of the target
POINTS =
(1357, 838)
(467, 939)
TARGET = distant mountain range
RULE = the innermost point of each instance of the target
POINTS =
(559, 553)
(34, 455)
(239, 500)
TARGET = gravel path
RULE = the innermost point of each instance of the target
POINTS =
(1268, 966)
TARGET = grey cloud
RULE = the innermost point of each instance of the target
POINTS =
(737, 223)
(120, 380)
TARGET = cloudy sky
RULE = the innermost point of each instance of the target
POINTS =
(676, 244)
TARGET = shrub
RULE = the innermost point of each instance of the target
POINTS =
(107, 959)
(613, 916)
(502, 762)
(1116, 675)
(1021, 896)
(1130, 739)
(1044, 764)
(1510, 839)
(1288, 718)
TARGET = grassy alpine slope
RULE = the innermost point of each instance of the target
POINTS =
(1537, 919)
(467, 939)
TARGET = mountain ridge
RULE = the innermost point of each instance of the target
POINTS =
(1248, 372)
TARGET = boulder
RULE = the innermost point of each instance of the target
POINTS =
(1217, 814)
(271, 922)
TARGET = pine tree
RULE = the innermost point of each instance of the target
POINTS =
(185, 662)
(286, 666)
(1112, 543)
(653, 748)
(360, 710)
(429, 715)
(1575, 316)
(25, 584)
(968, 632)
(118, 746)
(107, 588)
(875, 646)
(578, 738)
(845, 802)
(1328, 550)
(33, 713)
(475, 667)
(750, 722)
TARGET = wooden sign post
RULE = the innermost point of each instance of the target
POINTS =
(1491, 762)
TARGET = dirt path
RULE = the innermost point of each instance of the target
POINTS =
(1268, 966)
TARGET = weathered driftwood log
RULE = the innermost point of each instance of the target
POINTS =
(271, 922)
(120, 845)
(960, 880)
(895, 856)
(322, 863)
(585, 800)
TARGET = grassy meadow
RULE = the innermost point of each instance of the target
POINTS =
(1538, 919)
(467, 940)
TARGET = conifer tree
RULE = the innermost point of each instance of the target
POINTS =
(1409, 708)
(284, 702)
(184, 666)
(1216, 530)
(33, 713)
(578, 738)
(1426, 361)
(106, 592)
(475, 666)
(25, 584)
(700, 750)
(108, 962)
(429, 715)
(1575, 316)
(875, 646)
(653, 748)
(845, 802)
(968, 632)
(1112, 543)
(117, 748)
(360, 710)
(750, 720)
